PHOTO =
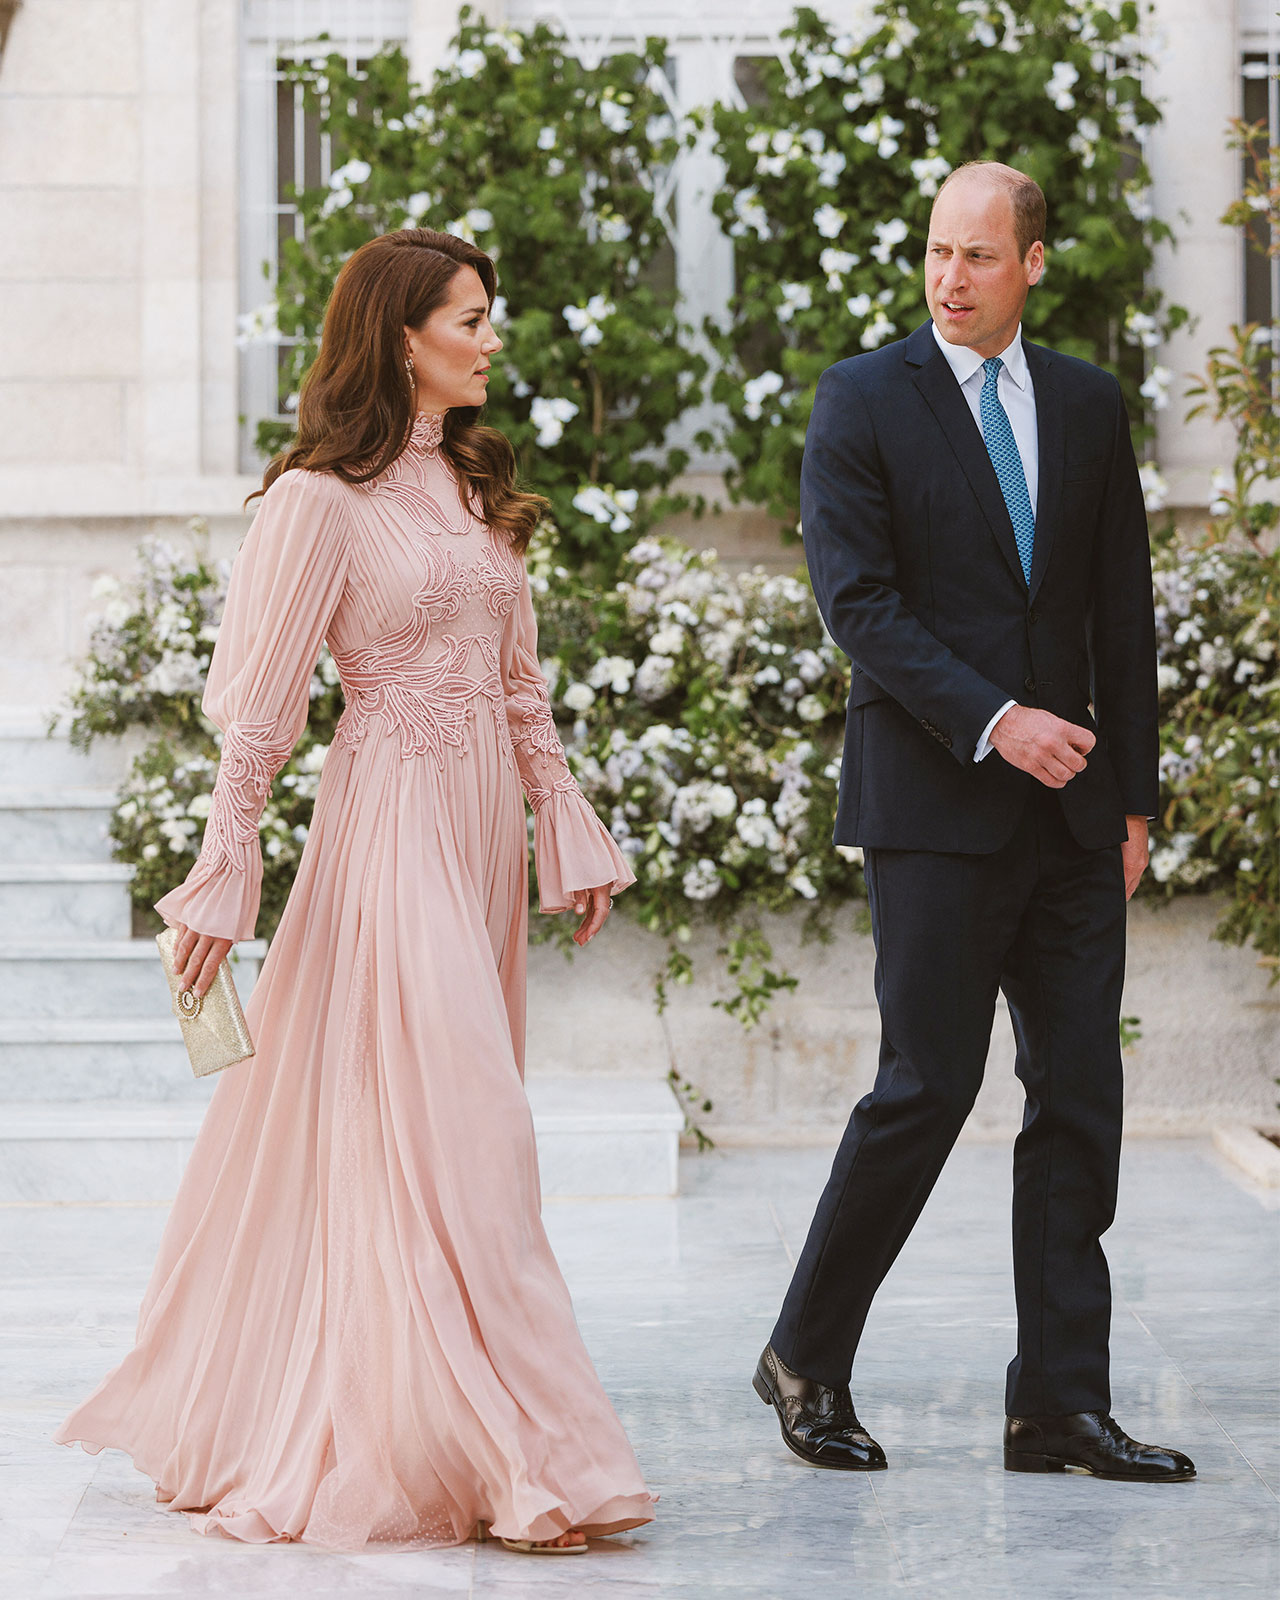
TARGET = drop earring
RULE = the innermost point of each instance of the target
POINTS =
(408, 367)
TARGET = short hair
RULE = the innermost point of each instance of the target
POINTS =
(1025, 196)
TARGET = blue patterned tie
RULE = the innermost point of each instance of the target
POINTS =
(1002, 447)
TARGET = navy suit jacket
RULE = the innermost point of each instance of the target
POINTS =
(916, 573)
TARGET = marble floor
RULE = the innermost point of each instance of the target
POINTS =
(675, 1299)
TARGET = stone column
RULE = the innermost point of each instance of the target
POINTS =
(1195, 79)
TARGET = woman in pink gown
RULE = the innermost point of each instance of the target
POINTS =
(356, 1333)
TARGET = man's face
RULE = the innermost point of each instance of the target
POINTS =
(975, 282)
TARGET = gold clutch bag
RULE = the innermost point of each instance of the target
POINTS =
(213, 1026)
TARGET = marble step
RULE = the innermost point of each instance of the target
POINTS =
(72, 1059)
(66, 900)
(29, 755)
(98, 977)
(596, 1137)
(52, 822)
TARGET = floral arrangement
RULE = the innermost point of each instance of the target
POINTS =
(830, 173)
(559, 171)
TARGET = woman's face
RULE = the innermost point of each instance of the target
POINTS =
(450, 351)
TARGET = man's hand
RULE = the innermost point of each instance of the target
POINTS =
(1135, 854)
(1051, 750)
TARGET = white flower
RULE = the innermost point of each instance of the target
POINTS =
(701, 881)
(1061, 82)
(929, 171)
(614, 672)
(876, 331)
(613, 229)
(888, 234)
(858, 305)
(549, 416)
(546, 138)
(337, 200)
(1167, 677)
(1156, 388)
(829, 220)
(585, 320)
(1139, 203)
(795, 297)
(757, 390)
(756, 830)
(1141, 328)
(655, 677)
(809, 708)
(749, 213)
(1221, 485)
(614, 116)
(802, 884)
(579, 697)
(607, 506)
(1155, 491)
(835, 263)
(469, 62)
(353, 172)
(667, 642)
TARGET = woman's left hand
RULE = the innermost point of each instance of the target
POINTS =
(595, 918)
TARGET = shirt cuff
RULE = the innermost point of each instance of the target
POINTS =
(984, 744)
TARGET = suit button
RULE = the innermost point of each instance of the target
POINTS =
(1033, 615)
(946, 743)
(1029, 683)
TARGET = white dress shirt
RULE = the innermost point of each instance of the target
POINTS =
(1018, 397)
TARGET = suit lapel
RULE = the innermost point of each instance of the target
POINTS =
(1051, 435)
(936, 382)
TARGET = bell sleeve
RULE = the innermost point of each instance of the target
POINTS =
(573, 850)
(285, 584)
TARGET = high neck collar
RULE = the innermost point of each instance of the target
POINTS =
(428, 431)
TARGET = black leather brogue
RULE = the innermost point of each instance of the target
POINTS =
(819, 1424)
(1089, 1441)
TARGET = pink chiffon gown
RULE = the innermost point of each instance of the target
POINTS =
(355, 1333)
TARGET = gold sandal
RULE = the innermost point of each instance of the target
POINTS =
(529, 1548)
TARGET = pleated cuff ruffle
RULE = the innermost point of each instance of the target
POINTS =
(574, 850)
(220, 900)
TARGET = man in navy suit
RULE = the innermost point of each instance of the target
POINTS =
(975, 530)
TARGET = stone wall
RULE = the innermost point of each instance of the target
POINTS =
(1209, 1050)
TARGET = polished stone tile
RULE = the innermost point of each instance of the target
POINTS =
(675, 1300)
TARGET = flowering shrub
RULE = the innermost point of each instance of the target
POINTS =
(1218, 615)
(1218, 619)
(557, 170)
(704, 717)
(831, 174)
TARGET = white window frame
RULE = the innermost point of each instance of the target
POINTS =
(272, 31)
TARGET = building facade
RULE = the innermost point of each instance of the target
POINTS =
(145, 151)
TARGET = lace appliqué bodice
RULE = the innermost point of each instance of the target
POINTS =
(426, 682)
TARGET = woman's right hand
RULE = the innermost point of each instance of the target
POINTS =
(197, 957)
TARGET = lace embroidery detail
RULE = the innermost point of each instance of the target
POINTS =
(252, 754)
(427, 432)
(539, 734)
(501, 576)
(538, 797)
(430, 704)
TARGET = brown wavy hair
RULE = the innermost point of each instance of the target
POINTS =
(356, 405)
